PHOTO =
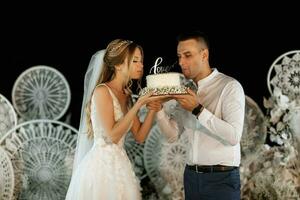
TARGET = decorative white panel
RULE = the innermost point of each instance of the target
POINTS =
(42, 154)
(6, 176)
(165, 162)
(284, 74)
(134, 151)
(254, 131)
(8, 117)
(41, 92)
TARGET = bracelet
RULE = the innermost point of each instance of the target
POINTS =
(196, 111)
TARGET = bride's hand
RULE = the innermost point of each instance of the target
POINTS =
(144, 99)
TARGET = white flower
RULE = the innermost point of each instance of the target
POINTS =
(167, 189)
(278, 140)
(282, 100)
(280, 126)
(275, 115)
(267, 147)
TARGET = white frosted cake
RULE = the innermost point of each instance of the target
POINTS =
(165, 83)
(162, 80)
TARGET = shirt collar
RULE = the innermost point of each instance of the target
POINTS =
(209, 77)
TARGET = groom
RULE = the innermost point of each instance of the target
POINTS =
(214, 124)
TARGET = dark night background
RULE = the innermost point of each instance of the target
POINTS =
(244, 44)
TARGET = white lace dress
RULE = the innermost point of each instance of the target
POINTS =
(105, 173)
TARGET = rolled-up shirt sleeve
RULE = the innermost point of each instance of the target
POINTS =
(230, 126)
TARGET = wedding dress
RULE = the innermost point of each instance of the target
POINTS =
(105, 173)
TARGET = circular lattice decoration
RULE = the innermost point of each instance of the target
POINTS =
(6, 176)
(165, 162)
(172, 165)
(41, 92)
(173, 156)
(284, 74)
(42, 154)
(135, 153)
(152, 156)
(8, 117)
(254, 131)
(134, 149)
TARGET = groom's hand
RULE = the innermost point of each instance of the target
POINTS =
(187, 101)
(154, 106)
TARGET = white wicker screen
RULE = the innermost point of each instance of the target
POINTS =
(6, 176)
(134, 151)
(284, 74)
(42, 154)
(8, 117)
(41, 92)
(164, 163)
(152, 156)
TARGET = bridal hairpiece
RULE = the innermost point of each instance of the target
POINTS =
(121, 44)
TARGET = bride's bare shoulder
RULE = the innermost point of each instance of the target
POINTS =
(101, 92)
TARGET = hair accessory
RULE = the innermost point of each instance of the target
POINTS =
(121, 44)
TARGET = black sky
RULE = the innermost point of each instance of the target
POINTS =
(243, 45)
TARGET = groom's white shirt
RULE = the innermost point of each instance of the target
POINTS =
(214, 137)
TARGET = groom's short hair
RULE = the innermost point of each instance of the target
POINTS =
(194, 34)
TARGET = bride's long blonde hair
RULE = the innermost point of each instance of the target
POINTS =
(116, 53)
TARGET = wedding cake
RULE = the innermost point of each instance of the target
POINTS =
(164, 83)
(161, 80)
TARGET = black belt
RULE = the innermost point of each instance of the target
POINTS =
(210, 168)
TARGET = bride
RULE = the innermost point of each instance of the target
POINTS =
(102, 169)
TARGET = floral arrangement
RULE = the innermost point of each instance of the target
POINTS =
(273, 175)
(279, 114)
(274, 172)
